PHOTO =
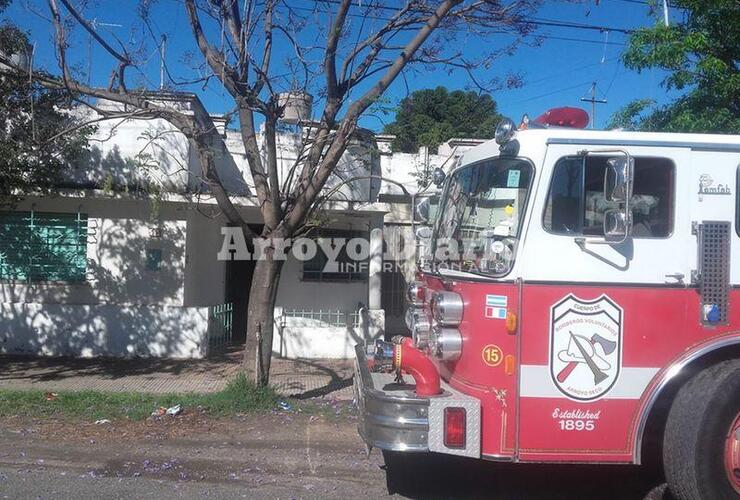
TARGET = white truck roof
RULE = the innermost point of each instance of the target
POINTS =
(533, 140)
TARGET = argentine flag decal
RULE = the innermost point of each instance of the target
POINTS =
(496, 306)
(496, 300)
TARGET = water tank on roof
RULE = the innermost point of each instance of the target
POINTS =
(19, 59)
(296, 106)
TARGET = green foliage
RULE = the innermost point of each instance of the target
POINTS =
(239, 396)
(701, 55)
(432, 116)
(629, 117)
(34, 149)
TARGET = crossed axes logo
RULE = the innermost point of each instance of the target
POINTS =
(585, 346)
(577, 353)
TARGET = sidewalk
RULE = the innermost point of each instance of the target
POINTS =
(303, 379)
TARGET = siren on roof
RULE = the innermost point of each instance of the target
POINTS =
(558, 117)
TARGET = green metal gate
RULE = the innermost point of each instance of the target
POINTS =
(220, 326)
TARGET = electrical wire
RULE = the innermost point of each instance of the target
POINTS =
(531, 20)
(558, 91)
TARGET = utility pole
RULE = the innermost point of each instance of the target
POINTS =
(161, 61)
(665, 12)
(594, 101)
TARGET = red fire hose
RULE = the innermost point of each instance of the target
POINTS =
(413, 361)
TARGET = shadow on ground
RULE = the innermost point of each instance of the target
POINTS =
(39, 369)
(441, 476)
(319, 377)
(299, 378)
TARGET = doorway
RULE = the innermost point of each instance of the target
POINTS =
(238, 284)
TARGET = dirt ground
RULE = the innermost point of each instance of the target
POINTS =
(272, 455)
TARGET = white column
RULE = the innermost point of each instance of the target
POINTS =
(375, 268)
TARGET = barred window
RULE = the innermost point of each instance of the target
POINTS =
(344, 269)
(38, 246)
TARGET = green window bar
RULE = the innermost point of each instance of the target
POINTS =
(220, 326)
(41, 246)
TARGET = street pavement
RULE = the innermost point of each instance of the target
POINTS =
(269, 455)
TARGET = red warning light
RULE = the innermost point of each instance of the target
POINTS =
(563, 117)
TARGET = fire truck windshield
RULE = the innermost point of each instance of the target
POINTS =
(479, 222)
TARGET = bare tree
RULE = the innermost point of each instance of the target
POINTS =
(345, 52)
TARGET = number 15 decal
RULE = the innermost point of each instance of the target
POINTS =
(492, 355)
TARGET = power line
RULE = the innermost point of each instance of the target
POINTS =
(543, 36)
(563, 73)
(552, 93)
(530, 20)
(570, 24)
(581, 40)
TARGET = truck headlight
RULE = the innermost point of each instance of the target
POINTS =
(421, 327)
(505, 130)
(445, 343)
(416, 294)
(447, 308)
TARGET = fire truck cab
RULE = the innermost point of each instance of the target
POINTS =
(579, 301)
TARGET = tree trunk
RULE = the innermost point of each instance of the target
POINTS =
(260, 322)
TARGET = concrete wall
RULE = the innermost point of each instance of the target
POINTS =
(310, 338)
(295, 293)
(135, 153)
(153, 153)
(103, 330)
(305, 338)
(120, 232)
(205, 276)
(407, 168)
(41, 315)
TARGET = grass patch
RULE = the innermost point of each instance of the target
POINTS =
(239, 396)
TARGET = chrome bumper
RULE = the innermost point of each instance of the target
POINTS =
(393, 418)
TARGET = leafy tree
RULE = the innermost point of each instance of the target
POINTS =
(701, 54)
(432, 116)
(32, 146)
(629, 117)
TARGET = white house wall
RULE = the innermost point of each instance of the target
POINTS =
(120, 231)
(132, 159)
(302, 337)
(135, 152)
(138, 152)
(205, 277)
(103, 330)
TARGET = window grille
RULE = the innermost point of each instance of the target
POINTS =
(327, 317)
(346, 269)
(38, 246)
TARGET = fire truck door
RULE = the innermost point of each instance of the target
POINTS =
(599, 318)
(713, 201)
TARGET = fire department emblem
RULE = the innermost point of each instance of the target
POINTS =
(585, 346)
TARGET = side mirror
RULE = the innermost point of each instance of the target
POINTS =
(618, 179)
(424, 232)
(616, 225)
(421, 211)
(438, 177)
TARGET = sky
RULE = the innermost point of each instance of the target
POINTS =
(557, 72)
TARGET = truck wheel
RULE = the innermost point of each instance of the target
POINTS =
(408, 474)
(701, 448)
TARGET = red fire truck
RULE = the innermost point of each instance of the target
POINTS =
(579, 301)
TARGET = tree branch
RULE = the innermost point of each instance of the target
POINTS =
(123, 58)
(330, 69)
(310, 189)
